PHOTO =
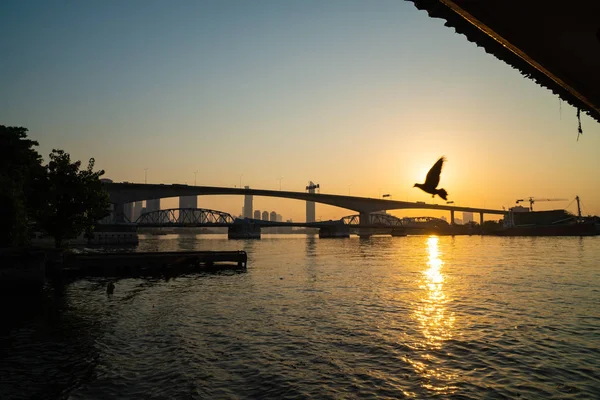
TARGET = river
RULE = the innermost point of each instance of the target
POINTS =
(467, 317)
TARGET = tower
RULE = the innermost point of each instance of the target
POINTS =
(310, 205)
(247, 204)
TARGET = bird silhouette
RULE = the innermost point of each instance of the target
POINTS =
(433, 179)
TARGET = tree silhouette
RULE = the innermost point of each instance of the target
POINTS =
(20, 175)
(74, 200)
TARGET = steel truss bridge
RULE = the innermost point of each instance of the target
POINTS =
(201, 217)
(386, 220)
(185, 217)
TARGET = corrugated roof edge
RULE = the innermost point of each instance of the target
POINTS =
(436, 9)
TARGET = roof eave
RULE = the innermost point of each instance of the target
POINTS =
(481, 35)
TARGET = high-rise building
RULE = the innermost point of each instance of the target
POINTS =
(137, 210)
(265, 215)
(247, 204)
(152, 205)
(256, 214)
(279, 218)
(310, 205)
(273, 216)
(467, 217)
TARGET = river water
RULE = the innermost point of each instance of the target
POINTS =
(465, 317)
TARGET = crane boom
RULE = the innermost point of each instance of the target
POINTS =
(533, 200)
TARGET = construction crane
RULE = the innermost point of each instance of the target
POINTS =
(533, 200)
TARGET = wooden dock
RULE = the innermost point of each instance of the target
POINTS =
(151, 263)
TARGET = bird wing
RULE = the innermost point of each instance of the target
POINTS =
(433, 176)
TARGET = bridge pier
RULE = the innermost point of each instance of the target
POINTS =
(364, 218)
(119, 213)
(335, 231)
(451, 217)
(480, 219)
(243, 231)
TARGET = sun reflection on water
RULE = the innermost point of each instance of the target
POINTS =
(435, 321)
(436, 324)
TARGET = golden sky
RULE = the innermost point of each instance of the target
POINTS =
(360, 97)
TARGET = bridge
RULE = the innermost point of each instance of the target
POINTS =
(121, 193)
(250, 228)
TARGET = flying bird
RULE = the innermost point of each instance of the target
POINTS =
(433, 179)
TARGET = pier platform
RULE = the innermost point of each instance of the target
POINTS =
(130, 264)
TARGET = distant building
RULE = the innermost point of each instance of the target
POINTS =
(265, 215)
(458, 221)
(443, 218)
(152, 205)
(138, 206)
(279, 218)
(247, 210)
(256, 214)
(518, 209)
(310, 205)
(467, 217)
(273, 216)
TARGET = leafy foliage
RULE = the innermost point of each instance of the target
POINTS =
(20, 174)
(74, 200)
(61, 199)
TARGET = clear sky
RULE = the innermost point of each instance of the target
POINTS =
(361, 97)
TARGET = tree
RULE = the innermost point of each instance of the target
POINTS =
(20, 175)
(74, 200)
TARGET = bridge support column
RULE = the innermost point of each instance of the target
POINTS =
(364, 218)
(481, 219)
(243, 231)
(451, 217)
(119, 213)
(334, 231)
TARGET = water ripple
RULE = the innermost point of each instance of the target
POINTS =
(408, 317)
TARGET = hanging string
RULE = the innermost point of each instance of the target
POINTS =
(579, 130)
(560, 108)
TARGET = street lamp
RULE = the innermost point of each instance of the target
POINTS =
(195, 172)
(280, 178)
(145, 175)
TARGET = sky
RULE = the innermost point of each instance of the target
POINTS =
(360, 97)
